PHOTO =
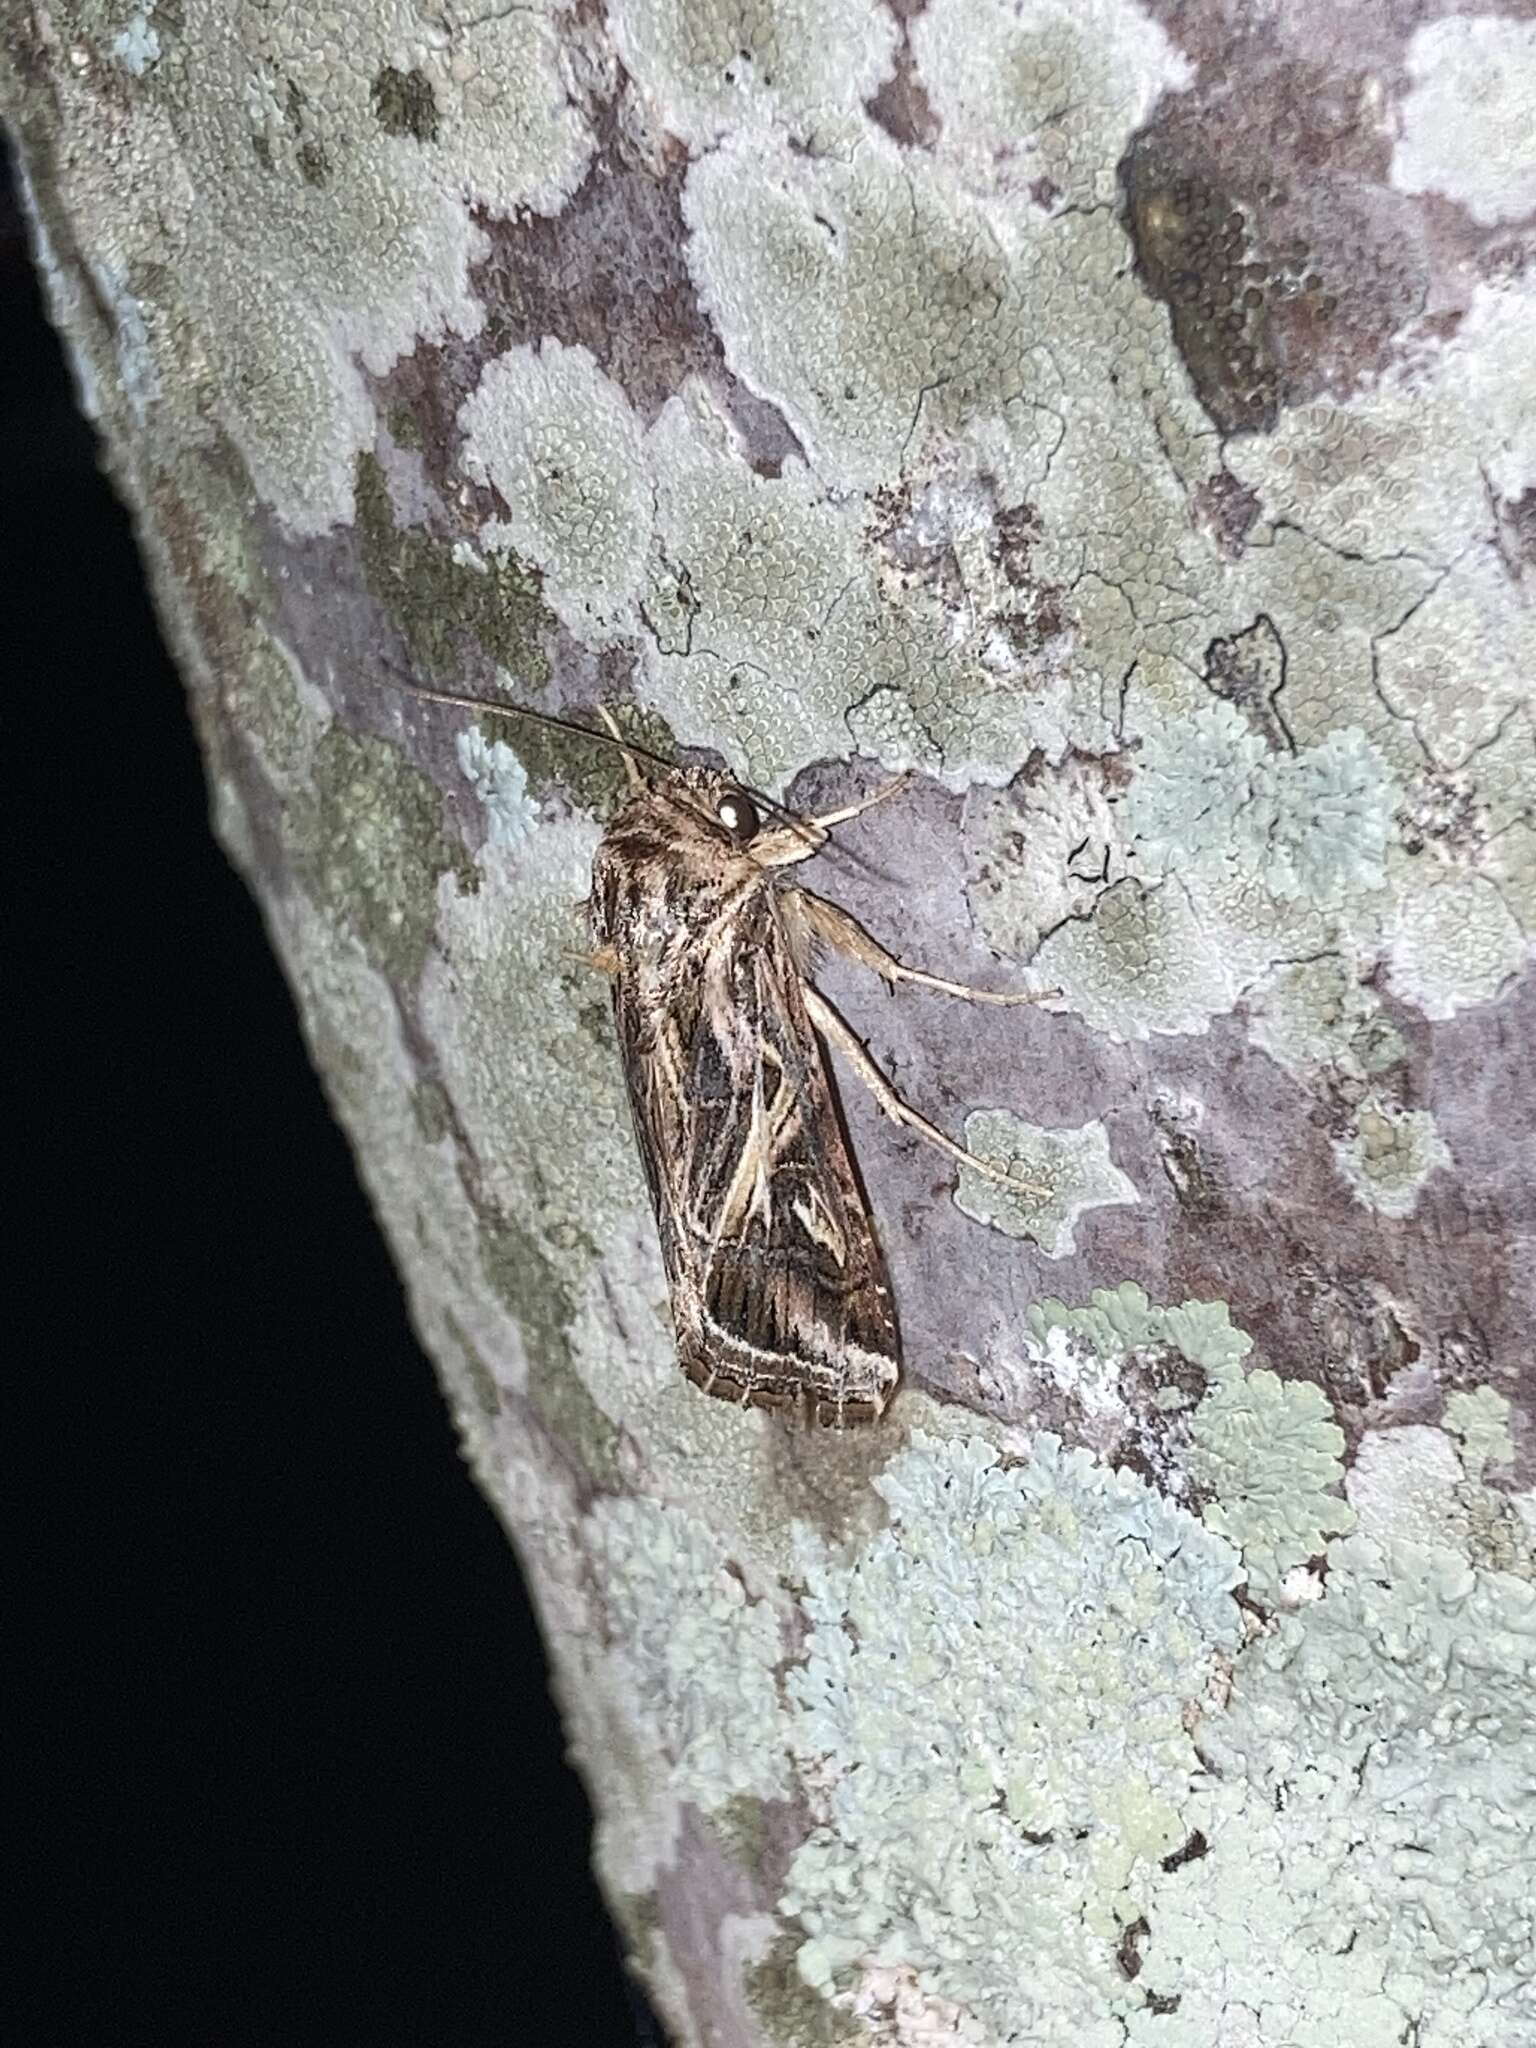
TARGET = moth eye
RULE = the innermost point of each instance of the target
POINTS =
(738, 814)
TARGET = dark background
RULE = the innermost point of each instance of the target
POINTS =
(296, 1769)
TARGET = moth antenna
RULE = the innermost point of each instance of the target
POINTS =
(633, 753)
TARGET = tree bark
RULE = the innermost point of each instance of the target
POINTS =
(1125, 418)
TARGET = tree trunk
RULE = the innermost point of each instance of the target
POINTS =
(1125, 418)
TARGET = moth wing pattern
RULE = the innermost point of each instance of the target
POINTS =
(780, 1295)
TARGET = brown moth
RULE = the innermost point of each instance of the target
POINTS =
(779, 1290)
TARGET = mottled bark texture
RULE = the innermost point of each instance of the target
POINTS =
(1125, 416)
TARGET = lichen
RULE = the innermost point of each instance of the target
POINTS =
(1465, 122)
(1074, 1166)
(1371, 1809)
(500, 781)
(710, 68)
(371, 843)
(557, 439)
(1453, 944)
(1479, 1419)
(1007, 1667)
(440, 599)
(1388, 1155)
(312, 236)
(693, 1653)
(1318, 1014)
(1268, 1452)
(1045, 91)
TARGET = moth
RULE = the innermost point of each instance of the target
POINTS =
(779, 1290)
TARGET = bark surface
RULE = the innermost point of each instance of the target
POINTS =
(1124, 417)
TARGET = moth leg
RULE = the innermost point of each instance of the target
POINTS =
(785, 844)
(602, 960)
(827, 819)
(836, 1032)
(847, 936)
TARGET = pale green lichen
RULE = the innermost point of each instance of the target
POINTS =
(1208, 791)
(1008, 1666)
(710, 66)
(1045, 90)
(1117, 1321)
(1268, 1452)
(371, 843)
(1465, 124)
(559, 442)
(1073, 1166)
(1389, 1154)
(693, 1653)
(1371, 1808)
(137, 47)
(1479, 1419)
(500, 781)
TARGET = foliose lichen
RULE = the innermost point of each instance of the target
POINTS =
(1008, 1665)
(1268, 1453)
(1388, 1155)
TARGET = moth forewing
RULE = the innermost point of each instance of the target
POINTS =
(780, 1295)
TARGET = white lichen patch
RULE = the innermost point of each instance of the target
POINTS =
(1074, 1168)
(692, 1651)
(1479, 1420)
(862, 267)
(1009, 1660)
(1048, 89)
(1402, 1485)
(1468, 121)
(1370, 1823)
(1389, 1154)
(1453, 943)
(710, 66)
(137, 46)
(500, 781)
(1268, 1452)
(560, 443)
(1117, 1321)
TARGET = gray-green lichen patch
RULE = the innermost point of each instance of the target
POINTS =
(692, 1651)
(712, 68)
(1074, 1168)
(316, 223)
(1045, 91)
(1466, 119)
(1371, 1809)
(371, 844)
(1388, 1155)
(1267, 1452)
(558, 441)
(992, 1703)
(1318, 1014)
(442, 597)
